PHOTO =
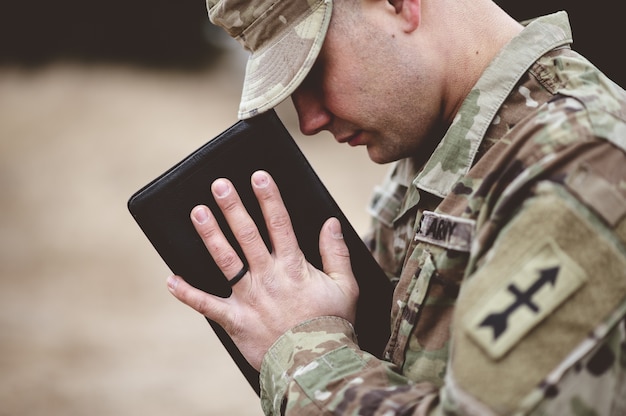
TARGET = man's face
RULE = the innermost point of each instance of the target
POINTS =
(365, 91)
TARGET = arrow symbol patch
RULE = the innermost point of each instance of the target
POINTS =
(498, 321)
(541, 281)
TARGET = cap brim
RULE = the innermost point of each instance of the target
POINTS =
(273, 73)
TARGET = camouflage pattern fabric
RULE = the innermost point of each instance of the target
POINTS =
(508, 250)
(283, 37)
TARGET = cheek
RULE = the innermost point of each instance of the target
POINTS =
(348, 96)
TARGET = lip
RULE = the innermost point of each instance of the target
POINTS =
(355, 139)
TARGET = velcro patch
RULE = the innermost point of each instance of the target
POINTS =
(539, 286)
(446, 231)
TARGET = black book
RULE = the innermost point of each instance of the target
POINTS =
(162, 210)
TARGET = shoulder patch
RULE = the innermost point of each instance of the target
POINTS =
(446, 231)
(538, 287)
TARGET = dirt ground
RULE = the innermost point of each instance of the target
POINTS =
(87, 326)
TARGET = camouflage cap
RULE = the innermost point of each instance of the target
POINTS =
(284, 38)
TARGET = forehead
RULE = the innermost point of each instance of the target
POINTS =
(345, 41)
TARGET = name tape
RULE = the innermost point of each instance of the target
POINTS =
(446, 231)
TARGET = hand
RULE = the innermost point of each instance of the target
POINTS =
(281, 289)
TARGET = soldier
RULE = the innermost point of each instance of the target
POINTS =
(502, 222)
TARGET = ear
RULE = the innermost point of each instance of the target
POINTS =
(410, 11)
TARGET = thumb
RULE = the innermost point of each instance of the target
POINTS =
(334, 252)
(213, 307)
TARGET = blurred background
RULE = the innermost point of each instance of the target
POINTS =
(96, 99)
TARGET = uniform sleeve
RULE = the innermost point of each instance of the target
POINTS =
(318, 368)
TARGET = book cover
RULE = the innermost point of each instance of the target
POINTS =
(162, 209)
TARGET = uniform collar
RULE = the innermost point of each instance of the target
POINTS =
(455, 154)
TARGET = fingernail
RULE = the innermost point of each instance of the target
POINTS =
(220, 188)
(335, 229)
(172, 282)
(201, 214)
(260, 179)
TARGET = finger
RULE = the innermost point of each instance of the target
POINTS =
(334, 252)
(336, 264)
(214, 240)
(213, 307)
(243, 227)
(280, 229)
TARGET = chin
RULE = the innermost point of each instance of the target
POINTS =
(379, 158)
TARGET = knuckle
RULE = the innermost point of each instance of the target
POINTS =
(296, 267)
(279, 221)
(342, 251)
(226, 259)
(200, 304)
(206, 232)
(228, 205)
(247, 234)
(265, 194)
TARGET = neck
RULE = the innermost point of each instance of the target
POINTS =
(483, 29)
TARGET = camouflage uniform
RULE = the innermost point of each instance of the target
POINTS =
(508, 249)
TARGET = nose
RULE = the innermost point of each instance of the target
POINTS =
(312, 114)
